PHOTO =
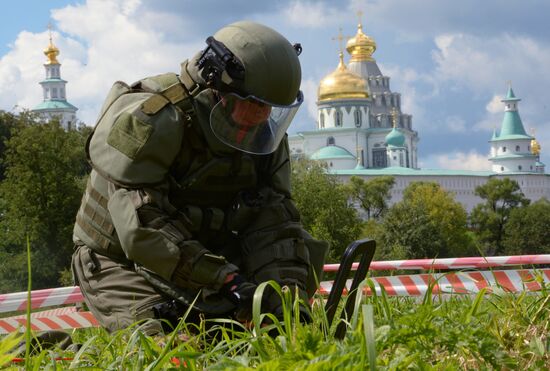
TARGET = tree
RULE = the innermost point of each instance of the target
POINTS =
(427, 223)
(324, 207)
(373, 196)
(45, 171)
(528, 229)
(8, 123)
(489, 219)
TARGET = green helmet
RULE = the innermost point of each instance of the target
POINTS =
(271, 65)
(257, 74)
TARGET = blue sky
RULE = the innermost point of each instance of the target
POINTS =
(450, 60)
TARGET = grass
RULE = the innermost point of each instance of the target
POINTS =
(497, 331)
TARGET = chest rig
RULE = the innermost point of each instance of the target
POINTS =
(205, 184)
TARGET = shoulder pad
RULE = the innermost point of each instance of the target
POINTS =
(136, 138)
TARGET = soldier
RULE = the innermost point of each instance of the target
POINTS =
(189, 196)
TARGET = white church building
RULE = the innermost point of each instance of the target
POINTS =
(361, 131)
(55, 104)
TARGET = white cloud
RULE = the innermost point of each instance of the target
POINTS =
(495, 105)
(458, 161)
(313, 14)
(102, 41)
(484, 65)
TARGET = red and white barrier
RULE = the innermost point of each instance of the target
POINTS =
(403, 285)
(456, 282)
(55, 319)
(40, 299)
(451, 263)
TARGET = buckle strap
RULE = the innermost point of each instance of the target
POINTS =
(190, 84)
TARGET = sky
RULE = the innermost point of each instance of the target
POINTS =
(451, 61)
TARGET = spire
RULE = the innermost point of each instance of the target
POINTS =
(51, 51)
(361, 47)
(511, 123)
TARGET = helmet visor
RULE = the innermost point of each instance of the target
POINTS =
(251, 124)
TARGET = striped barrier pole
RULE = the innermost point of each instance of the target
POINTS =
(40, 299)
(456, 282)
(55, 319)
(451, 263)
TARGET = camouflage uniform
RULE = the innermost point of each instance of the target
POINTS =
(170, 211)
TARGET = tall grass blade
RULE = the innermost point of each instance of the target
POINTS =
(476, 304)
(28, 334)
(368, 328)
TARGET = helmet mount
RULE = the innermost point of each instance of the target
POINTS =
(216, 59)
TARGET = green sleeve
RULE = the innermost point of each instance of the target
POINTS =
(154, 235)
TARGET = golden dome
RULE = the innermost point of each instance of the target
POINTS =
(361, 47)
(535, 147)
(51, 52)
(342, 84)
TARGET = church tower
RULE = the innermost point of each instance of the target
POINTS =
(360, 124)
(54, 104)
(385, 103)
(511, 150)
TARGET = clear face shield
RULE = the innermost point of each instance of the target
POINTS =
(251, 124)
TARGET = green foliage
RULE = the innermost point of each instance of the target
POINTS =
(528, 229)
(373, 196)
(8, 123)
(427, 223)
(39, 197)
(324, 207)
(489, 219)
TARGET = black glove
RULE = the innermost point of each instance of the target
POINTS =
(241, 293)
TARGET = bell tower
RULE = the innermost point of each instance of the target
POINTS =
(54, 104)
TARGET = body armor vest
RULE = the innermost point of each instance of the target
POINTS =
(202, 185)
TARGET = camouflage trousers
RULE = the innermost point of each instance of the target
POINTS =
(116, 295)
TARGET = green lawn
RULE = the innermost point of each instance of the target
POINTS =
(496, 331)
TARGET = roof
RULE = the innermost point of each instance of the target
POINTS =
(52, 80)
(411, 172)
(54, 105)
(512, 127)
(332, 152)
(510, 95)
(513, 156)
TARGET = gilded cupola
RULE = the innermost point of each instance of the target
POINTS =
(342, 84)
(361, 47)
(51, 52)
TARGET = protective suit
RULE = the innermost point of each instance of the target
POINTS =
(189, 196)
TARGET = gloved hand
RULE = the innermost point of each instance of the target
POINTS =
(241, 292)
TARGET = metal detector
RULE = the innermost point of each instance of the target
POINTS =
(364, 248)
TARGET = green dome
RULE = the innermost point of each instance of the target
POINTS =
(395, 138)
(332, 152)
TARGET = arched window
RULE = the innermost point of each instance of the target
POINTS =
(519, 167)
(502, 168)
(338, 119)
(517, 148)
(357, 117)
(331, 141)
(503, 149)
